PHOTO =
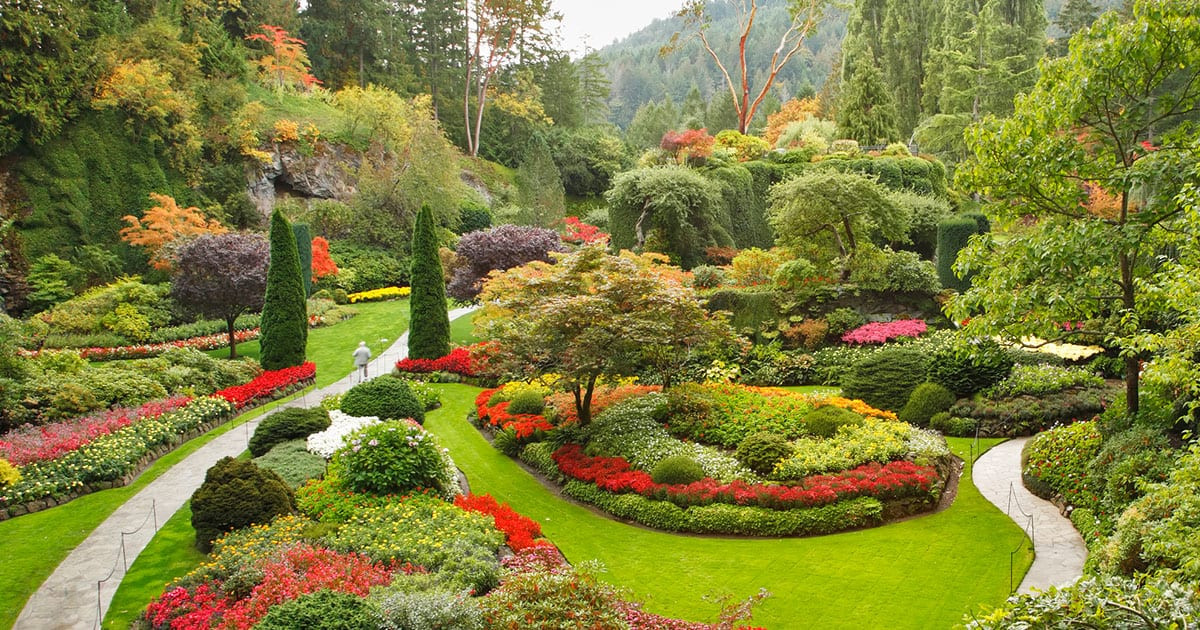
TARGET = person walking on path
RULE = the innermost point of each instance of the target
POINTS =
(362, 357)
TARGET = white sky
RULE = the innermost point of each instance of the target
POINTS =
(599, 22)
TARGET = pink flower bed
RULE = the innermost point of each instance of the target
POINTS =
(31, 443)
(881, 332)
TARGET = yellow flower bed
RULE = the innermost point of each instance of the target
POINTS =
(378, 295)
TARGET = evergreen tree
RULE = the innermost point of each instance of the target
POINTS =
(909, 30)
(284, 332)
(650, 123)
(1075, 16)
(304, 249)
(692, 111)
(429, 324)
(721, 114)
(594, 88)
(866, 111)
(539, 187)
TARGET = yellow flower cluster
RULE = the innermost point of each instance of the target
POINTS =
(245, 547)
(854, 445)
(1068, 351)
(8, 473)
(378, 295)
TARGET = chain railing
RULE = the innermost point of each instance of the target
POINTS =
(122, 559)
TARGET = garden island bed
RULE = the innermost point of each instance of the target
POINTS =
(723, 458)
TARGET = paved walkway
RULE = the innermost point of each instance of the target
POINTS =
(69, 598)
(1058, 549)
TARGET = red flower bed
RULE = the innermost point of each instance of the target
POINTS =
(520, 532)
(268, 384)
(297, 571)
(614, 474)
(524, 424)
(581, 233)
(30, 443)
(458, 362)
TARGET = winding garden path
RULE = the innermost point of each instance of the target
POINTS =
(1059, 551)
(70, 597)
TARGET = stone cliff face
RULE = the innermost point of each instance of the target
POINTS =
(329, 172)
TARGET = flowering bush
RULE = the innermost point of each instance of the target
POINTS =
(378, 295)
(523, 425)
(30, 443)
(853, 445)
(520, 532)
(393, 457)
(882, 332)
(614, 474)
(581, 233)
(325, 443)
(458, 361)
(268, 384)
(1059, 459)
(1036, 380)
(328, 501)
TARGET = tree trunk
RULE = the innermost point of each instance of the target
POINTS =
(1132, 367)
(232, 340)
(583, 400)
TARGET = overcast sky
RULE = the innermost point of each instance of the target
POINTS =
(602, 21)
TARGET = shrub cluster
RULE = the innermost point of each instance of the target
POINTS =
(292, 462)
(927, 400)
(391, 458)
(291, 423)
(886, 378)
(386, 398)
(237, 493)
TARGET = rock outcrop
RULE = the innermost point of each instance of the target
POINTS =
(327, 172)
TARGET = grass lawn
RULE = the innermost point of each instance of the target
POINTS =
(922, 573)
(172, 553)
(330, 347)
(462, 330)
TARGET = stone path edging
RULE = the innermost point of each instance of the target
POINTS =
(1059, 551)
(68, 599)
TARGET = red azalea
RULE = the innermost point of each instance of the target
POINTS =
(520, 532)
(268, 383)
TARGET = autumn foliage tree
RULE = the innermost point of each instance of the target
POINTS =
(697, 18)
(592, 315)
(222, 276)
(163, 225)
(322, 263)
(286, 65)
(794, 110)
(689, 146)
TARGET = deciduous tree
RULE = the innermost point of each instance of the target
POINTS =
(164, 224)
(222, 276)
(592, 315)
(499, 248)
(1107, 115)
(697, 16)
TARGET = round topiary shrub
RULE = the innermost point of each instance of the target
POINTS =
(825, 421)
(761, 451)
(291, 423)
(956, 426)
(926, 400)
(386, 398)
(237, 493)
(677, 469)
(390, 458)
(527, 402)
(886, 378)
(326, 609)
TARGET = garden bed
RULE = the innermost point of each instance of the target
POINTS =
(117, 456)
(828, 478)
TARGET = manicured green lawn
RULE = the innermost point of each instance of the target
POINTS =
(330, 347)
(462, 330)
(172, 553)
(922, 573)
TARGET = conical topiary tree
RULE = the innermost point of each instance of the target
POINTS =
(304, 248)
(429, 324)
(284, 333)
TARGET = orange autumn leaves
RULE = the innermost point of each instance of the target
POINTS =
(161, 227)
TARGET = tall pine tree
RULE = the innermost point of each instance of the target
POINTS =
(1075, 16)
(284, 336)
(429, 323)
(866, 111)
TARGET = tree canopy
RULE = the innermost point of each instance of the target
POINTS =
(223, 276)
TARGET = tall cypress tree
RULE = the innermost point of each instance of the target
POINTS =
(304, 248)
(866, 111)
(284, 335)
(429, 324)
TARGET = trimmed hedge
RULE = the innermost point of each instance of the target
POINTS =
(886, 378)
(952, 236)
(291, 423)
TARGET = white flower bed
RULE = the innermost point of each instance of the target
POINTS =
(341, 425)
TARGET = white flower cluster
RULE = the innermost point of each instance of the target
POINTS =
(333, 438)
(926, 446)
